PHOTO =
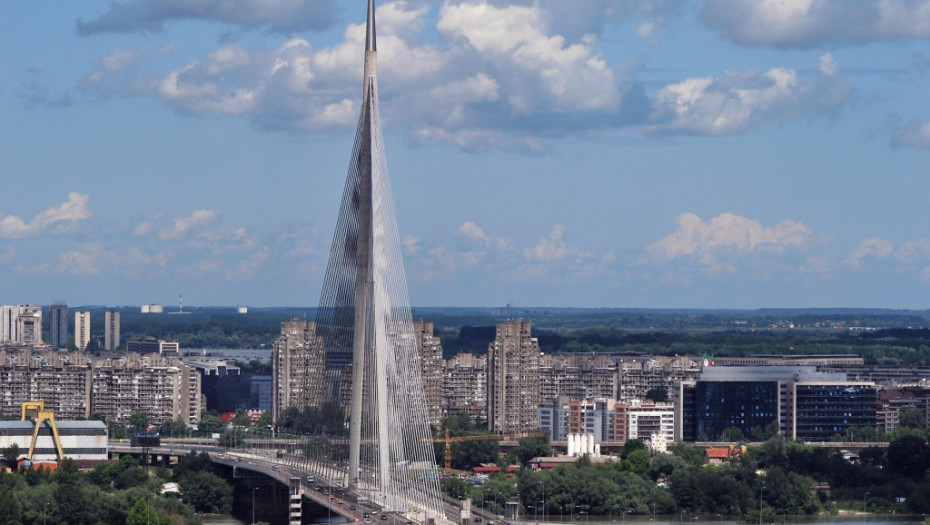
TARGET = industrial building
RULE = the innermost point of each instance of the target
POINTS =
(80, 440)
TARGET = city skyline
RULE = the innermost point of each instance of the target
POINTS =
(665, 154)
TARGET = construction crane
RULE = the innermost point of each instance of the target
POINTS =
(36, 411)
(448, 440)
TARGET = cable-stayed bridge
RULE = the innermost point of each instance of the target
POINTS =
(380, 452)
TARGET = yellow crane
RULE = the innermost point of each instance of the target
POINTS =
(448, 440)
(36, 411)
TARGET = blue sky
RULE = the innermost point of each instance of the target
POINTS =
(602, 153)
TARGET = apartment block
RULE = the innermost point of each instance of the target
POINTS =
(513, 379)
(578, 377)
(892, 399)
(432, 367)
(605, 419)
(58, 326)
(164, 388)
(640, 374)
(651, 421)
(110, 330)
(297, 361)
(81, 329)
(75, 385)
(464, 386)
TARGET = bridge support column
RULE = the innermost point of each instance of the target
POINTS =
(295, 502)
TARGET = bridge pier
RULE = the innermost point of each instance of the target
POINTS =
(295, 502)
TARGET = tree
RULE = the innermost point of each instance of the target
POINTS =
(176, 428)
(637, 462)
(206, 492)
(144, 514)
(11, 510)
(528, 449)
(232, 438)
(210, 424)
(911, 417)
(11, 456)
(139, 421)
(658, 394)
(909, 455)
(632, 445)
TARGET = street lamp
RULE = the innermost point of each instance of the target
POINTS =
(254, 490)
(761, 488)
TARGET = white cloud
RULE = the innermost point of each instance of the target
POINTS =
(726, 235)
(151, 15)
(181, 225)
(552, 73)
(115, 62)
(499, 77)
(53, 220)
(551, 248)
(813, 23)
(738, 102)
(915, 133)
(874, 247)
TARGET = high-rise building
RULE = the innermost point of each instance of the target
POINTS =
(58, 325)
(297, 363)
(111, 330)
(81, 329)
(29, 326)
(431, 368)
(513, 379)
(9, 328)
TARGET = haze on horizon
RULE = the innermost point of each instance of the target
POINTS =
(650, 153)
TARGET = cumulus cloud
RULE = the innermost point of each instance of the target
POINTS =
(874, 247)
(726, 234)
(738, 102)
(152, 15)
(915, 134)
(910, 257)
(551, 248)
(53, 220)
(181, 225)
(499, 76)
(807, 24)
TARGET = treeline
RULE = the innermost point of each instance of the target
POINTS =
(777, 478)
(114, 493)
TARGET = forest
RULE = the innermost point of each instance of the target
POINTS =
(880, 336)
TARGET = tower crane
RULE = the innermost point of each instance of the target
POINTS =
(448, 440)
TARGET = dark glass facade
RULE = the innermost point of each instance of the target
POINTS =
(227, 393)
(822, 411)
(711, 407)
